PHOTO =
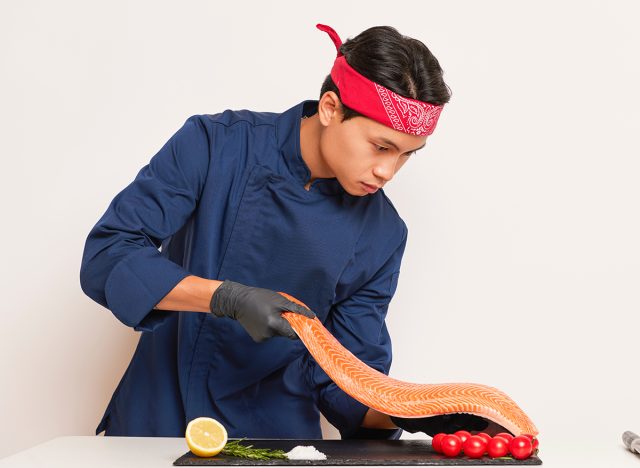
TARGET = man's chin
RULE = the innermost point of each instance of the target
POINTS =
(356, 190)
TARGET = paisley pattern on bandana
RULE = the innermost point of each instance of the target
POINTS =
(408, 116)
(377, 102)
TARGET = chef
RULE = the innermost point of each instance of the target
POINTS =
(239, 205)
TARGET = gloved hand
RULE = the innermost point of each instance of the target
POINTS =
(448, 423)
(258, 310)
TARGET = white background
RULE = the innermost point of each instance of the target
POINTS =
(523, 262)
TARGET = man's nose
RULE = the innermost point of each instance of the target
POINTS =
(386, 169)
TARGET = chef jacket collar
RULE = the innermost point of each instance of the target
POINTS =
(288, 138)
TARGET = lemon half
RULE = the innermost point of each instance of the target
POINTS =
(206, 437)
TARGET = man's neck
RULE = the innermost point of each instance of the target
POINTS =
(310, 129)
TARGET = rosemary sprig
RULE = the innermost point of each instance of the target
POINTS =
(234, 448)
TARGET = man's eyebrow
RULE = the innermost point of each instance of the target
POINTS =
(391, 143)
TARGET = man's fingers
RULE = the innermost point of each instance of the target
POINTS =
(290, 306)
(302, 310)
(284, 328)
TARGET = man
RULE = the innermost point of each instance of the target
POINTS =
(239, 205)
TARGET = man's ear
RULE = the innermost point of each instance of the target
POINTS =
(330, 109)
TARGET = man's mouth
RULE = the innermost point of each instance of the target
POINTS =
(370, 188)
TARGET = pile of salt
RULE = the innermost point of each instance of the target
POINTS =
(305, 452)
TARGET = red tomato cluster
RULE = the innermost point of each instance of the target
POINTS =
(475, 446)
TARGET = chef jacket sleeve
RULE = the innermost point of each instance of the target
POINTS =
(358, 323)
(122, 267)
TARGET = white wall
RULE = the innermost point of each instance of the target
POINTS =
(523, 261)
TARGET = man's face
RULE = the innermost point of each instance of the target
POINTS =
(361, 150)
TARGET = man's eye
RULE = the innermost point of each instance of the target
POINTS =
(381, 148)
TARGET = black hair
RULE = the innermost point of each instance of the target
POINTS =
(399, 63)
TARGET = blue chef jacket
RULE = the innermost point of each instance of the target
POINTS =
(224, 198)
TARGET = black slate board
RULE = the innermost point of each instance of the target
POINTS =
(352, 452)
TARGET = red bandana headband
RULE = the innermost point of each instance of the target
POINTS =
(377, 102)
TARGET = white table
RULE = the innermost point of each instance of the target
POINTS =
(147, 452)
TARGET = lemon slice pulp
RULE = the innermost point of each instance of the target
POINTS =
(206, 437)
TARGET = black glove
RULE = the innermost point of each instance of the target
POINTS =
(447, 423)
(258, 310)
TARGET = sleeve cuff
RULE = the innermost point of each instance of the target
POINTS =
(137, 283)
(347, 414)
(342, 411)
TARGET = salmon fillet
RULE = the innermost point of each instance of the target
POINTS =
(396, 397)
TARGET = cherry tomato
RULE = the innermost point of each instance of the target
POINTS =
(520, 447)
(436, 442)
(451, 445)
(464, 435)
(533, 439)
(506, 436)
(474, 446)
(498, 447)
(485, 436)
